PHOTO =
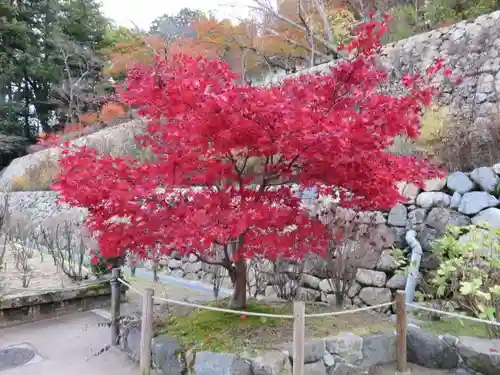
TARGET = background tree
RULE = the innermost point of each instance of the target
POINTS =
(30, 52)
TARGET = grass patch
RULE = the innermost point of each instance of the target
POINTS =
(457, 327)
(225, 332)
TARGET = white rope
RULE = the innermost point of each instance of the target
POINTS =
(130, 286)
(248, 313)
(455, 315)
(344, 312)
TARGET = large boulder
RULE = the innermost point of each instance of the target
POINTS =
(208, 363)
(116, 140)
(167, 356)
(272, 363)
(427, 350)
(439, 218)
(490, 217)
(459, 182)
(347, 346)
(481, 355)
(370, 277)
(485, 177)
(397, 215)
(379, 349)
(375, 296)
(433, 199)
(475, 201)
(314, 350)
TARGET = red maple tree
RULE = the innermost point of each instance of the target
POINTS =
(228, 156)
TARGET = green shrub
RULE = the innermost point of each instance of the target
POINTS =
(469, 273)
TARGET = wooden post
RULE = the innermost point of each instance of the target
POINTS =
(401, 325)
(115, 306)
(299, 327)
(146, 332)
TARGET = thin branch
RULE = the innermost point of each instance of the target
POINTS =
(262, 6)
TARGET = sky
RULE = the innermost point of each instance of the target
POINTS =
(143, 12)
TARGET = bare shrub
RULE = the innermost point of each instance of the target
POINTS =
(132, 260)
(355, 239)
(219, 275)
(464, 147)
(258, 274)
(22, 255)
(4, 217)
(67, 246)
(286, 278)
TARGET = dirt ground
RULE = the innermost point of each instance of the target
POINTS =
(26, 270)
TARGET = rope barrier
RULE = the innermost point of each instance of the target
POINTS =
(250, 313)
(247, 313)
(454, 315)
(318, 315)
(130, 286)
(344, 312)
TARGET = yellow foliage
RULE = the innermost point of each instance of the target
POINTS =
(341, 21)
(38, 178)
(432, 126)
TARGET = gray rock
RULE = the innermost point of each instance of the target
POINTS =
(353, 290)
(455, 200)
(426, 237)
(174, 263)
(482, 355)
(490, 216)
(462, 371)
(208, 363)
(408, 190)
(397, 281)
(347, 346)
(475, 201)
(397, 215)
(399, 239)
(459, 182)
(314, 351)
(347, 369)
(167, 356)
(328, 360)
(370, 277)
(433, 199)
(178, 273)
(416, 217)
(485, 177)
(317, 368)
(386, 261)
(439, 218)
(427, 350)
(435, 184)
(379, 349)
(192, 267)
(310, 281)
(374, 296)
(496, 167)
(326, 286)
(272, 363)
(308, 295)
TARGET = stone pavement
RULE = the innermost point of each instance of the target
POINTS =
(64, 346)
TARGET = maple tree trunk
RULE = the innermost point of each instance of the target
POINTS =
(239, 297)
